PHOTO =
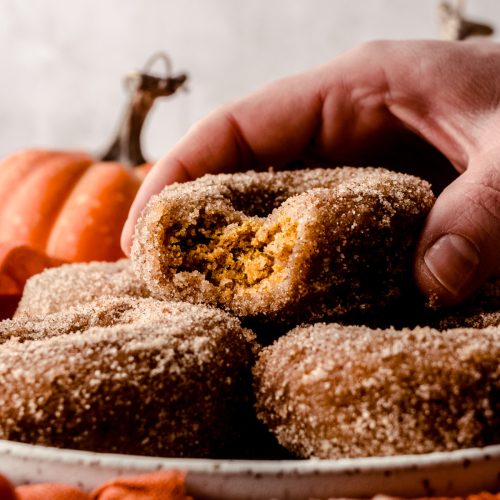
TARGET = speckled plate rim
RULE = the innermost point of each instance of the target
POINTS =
(230, 466)
(450, 474)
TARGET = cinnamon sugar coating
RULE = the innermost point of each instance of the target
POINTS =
(331, 391)
(69, 285)
(126, 375)
(293, 245)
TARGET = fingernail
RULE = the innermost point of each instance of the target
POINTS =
(453, 260)
(126, 239)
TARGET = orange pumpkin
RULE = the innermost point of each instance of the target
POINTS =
(71, 206)
(65, 204)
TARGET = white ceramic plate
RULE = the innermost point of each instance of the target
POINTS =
(446, 474)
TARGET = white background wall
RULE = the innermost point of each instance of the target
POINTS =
(62, 62)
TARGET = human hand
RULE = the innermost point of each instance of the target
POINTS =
(374, 105)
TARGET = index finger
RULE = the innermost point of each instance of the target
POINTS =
(271, 126)
(318, 111)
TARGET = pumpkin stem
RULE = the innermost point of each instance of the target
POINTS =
(454, 26)
(144, 89)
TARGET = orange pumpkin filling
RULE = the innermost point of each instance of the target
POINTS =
(248, 254)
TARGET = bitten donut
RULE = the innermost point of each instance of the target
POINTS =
(299, 245)
(331, 391)
(135, 376)
(61, 287)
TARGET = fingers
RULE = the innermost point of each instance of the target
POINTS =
(459, 247)
(346, 112)
(272, 126)
(311, 113)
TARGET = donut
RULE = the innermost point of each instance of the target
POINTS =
(136, 376)
(103, 312)
(330, 391)
(68, 285)
(292, 246)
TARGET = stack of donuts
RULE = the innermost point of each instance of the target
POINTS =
(256, 308)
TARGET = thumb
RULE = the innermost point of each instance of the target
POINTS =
(460, 243)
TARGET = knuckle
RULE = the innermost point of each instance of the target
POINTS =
(482, 205)
(371, 48)
(488, 187)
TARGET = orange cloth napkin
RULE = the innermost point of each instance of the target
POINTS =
(49, 490)
(155, 486)
(161, 485)
(17, 264)
(6, 490)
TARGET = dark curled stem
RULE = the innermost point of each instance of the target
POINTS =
(144, 89)
(453, 24)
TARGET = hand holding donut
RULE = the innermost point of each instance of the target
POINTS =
(381, 103)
